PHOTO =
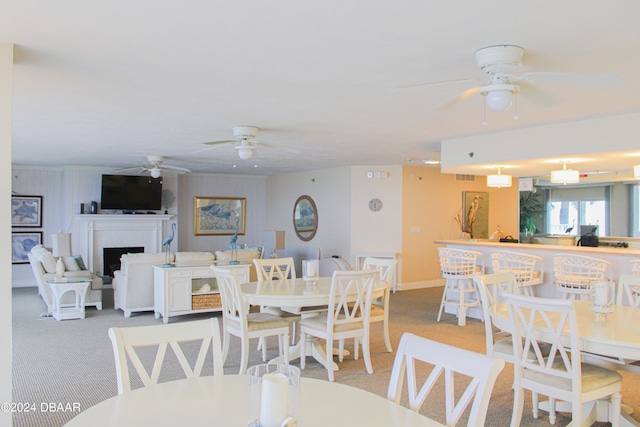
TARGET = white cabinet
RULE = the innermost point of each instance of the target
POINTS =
(177, 290)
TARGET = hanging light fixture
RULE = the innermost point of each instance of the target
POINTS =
(636, 171)
(245, 149)
(499, 180)
(564, 175)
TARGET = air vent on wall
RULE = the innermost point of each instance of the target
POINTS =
(462, 177)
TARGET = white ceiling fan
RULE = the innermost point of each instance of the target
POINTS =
(244, 144)
(154, 167)
(501, 64)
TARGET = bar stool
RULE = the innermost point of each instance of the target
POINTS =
(573, 274)
(527, 268)
(458, 267)
(634, 266)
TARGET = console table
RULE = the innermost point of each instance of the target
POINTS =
(178, 290)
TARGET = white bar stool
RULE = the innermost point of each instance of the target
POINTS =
(573, 274)
(527, 268)
(458, 267)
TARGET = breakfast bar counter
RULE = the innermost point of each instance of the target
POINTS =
(619, 257)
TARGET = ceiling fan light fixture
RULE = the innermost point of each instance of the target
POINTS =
(636, 171)
(499, 180)
(245, 151)
(499, 97)
(156, 173)
(565, 176)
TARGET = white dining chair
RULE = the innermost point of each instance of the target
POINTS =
(498, 343)
(133, 346)
(560, 374)
(238, 321)
(380, 306)
(628, 290)
(457, 267)
(573, 274)
(348, 317)
(478, 372)
(528, 269)
(271, 269)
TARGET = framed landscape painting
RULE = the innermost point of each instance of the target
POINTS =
(219, 216)
(26, 211)
(21, 245)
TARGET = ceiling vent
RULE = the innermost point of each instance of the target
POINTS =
(462, 177)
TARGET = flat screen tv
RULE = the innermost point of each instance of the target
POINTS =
(131, 193)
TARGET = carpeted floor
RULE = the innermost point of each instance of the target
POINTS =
(59, 366)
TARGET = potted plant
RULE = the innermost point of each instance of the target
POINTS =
(531, 208)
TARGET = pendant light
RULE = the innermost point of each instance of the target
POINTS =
(565, 176)
(499, 180)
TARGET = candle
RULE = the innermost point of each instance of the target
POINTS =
(273, 406)
(600, 298)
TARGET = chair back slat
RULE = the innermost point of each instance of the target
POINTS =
(135, 344)
(527, 268)
(234, 307)
(275, 268)
(351, 290)
(629, 290)
(446, 361)
(460, 263)
(386, 266)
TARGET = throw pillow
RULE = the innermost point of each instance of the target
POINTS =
(70, 263)
(44, 256)
(79, 261)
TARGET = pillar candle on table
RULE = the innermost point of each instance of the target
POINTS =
(273, 406)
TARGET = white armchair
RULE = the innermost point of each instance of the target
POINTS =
(43, 265)
(133, 283)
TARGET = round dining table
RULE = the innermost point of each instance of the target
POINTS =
(224, 400)
(299, 296)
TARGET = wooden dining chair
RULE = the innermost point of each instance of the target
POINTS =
(133, 346)
(347, 318)
(560, 374)
(447, 362)
(380, 306)
(238, 321)
(277, 269)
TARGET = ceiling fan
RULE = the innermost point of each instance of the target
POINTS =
(155, 167)
(244, 135)
(501, 83)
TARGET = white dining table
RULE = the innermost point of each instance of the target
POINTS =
(223, 400)
(299, 296)
(617, 337)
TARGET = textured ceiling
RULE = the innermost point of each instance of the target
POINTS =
(109, 83)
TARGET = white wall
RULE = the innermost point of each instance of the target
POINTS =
(6, 67)
(376, 231)
(330, 189)
(252, 188)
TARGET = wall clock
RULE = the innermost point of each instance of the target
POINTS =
(375, 205)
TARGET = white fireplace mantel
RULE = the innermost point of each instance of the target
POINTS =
(91, 233)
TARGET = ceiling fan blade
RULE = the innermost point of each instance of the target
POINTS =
(174, 168)
(225, 141)
(539, 96)
(459, 98)
(572, 78)
(129, 169)
(442, 82)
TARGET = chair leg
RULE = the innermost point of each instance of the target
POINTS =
(444, 295)
(225, 347)
(462, 309)
(329, 355)
(356, 348)
(245, 355)
(340, 350)
(614, 409)
(284, 349)
(576, 413)
(536, 404)
(518, 406)
(303, 349)
(385, 333)
(552, 410)
(366, 355)
(264, 349)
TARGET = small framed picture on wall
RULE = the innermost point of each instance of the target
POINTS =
(26, 211)
(21, 245)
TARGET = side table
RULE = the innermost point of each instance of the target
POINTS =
(61, 287)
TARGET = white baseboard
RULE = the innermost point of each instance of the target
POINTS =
(420, 285)
(24, 283)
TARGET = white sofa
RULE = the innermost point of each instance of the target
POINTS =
(43, 265)
(133, 283)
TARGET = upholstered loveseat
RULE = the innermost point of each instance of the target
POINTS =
(43, 265)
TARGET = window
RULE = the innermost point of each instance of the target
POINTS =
(575, 211)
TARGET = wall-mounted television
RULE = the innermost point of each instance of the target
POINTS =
(131, 193)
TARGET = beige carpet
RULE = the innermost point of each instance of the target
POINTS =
(71, 361)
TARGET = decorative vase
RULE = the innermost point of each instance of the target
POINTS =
(59, 268)
(465, 236)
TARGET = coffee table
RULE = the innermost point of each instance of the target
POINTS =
(59, 287)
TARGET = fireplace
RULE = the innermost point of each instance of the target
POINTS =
(111, 257)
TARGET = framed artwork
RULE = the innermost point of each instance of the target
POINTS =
(21, 245)
(475, 208)
(219, 216)
(26, 211)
